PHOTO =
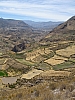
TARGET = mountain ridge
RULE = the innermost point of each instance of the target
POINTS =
(42, 25)
(64, 31)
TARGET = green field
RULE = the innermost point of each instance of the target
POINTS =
(3, 73)
(63, 65)
(23, 61)
(44, 66)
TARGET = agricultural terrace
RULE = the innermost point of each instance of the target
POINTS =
(31, 74)
(23, 61)
(35, 53)
(55, 73)
(56, 60)
(67, 52)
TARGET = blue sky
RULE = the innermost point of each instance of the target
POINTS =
(37, 10)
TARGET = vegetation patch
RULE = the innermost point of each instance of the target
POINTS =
(63, 65)
(3, 73)
(16, 55)
(72, 60)
(23, 61)
(44, 66)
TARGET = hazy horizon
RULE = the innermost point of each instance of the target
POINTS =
(38, 11)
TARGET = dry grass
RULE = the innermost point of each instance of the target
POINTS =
(2, 61)
(35, 53)
(1, 85)
(64, 42)
(31, 74)
(0, 54)
(56, 60)
(3, 64)
(55, 73)
(23, 61)
(13, 73)
(66, 52)
(38, 59)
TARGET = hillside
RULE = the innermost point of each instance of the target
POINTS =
(7, 23)
(64, 31)
(15, 32)
(38, 70)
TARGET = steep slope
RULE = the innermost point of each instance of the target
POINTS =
(64, 31)
(13, 32)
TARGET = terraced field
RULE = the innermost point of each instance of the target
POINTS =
(35, 53)
(31, 74)
(54, 73)
(56, 60)
(64, 65)
(67, 52)
(23, 61)
(44, 61)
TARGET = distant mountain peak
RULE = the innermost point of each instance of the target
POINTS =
(43, 25)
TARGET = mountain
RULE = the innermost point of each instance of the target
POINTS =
(7, 23)
(11, 26)
(15, 32)
(37, 70)
(64, 31)
(42, 25)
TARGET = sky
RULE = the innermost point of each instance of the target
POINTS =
(37, 10)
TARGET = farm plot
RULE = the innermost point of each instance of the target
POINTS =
(23, 61)
(38, 59)
(36, 53)
(55, 73)
(56, 60)
(67, 52)
(65, 42)
(31, 74)
(64, 65)
(44, 66)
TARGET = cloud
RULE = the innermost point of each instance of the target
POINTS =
(57, 10)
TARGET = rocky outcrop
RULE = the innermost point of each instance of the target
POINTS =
(19, 47)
